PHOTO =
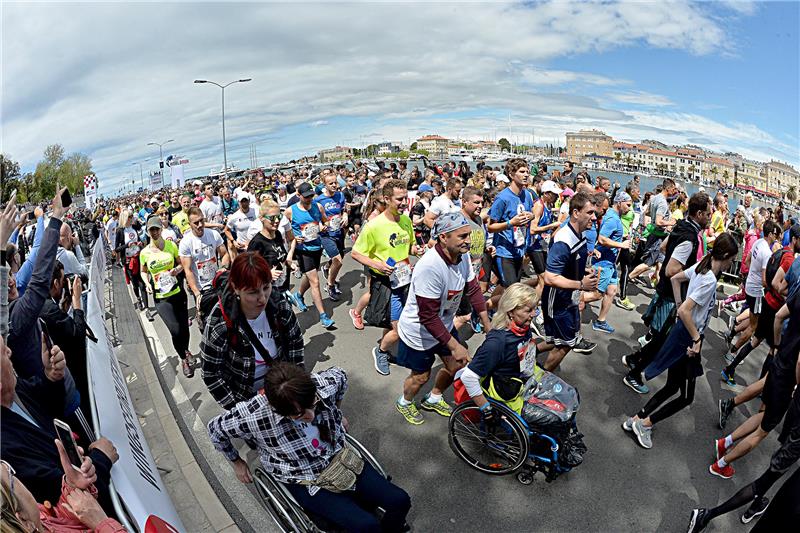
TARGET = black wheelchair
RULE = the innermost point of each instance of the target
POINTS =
(510, 445)
(287, 514)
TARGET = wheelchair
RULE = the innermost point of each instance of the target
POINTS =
(284, 510)
(509, 446)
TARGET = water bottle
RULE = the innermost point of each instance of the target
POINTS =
(391, 262)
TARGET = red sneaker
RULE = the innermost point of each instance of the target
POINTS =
(358, 322)
(724, 473)
(720, 448)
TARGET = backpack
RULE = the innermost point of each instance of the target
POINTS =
(773, 264)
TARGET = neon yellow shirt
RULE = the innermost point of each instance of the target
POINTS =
(381, 238)
(181, 221)
(159, 263)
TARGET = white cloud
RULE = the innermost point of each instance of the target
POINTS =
(642, 98)
(107, 78)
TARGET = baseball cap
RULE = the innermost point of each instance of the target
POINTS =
(153, 200)
(550, 186)
(503, 178)
(622, 196)
(425, 188)
(306, 190)
(567, 193)
(154, 222)
(243, 196)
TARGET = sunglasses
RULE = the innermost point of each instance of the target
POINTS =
(272, 218)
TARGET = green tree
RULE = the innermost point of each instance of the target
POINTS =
(791, 194)
(9, 176)
(505, 146)
(58, 169)
(725, 176)
(414, 146)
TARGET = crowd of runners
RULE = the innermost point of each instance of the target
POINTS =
(517, 254)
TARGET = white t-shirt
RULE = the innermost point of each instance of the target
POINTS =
(111, 230)
(240, 223)
(203, 251)
(254, 227)
(433, 278)
(759, 255)
(169, 234)
(263, 333)
(132, 243)
(681, 252)
(212, 211)
(703, 292)
(443, 204)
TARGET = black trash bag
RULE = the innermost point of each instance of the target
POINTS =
(378, 311)
(572, 450)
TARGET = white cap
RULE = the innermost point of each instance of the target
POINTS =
(550, 186)
(503, 178)
(197, 182)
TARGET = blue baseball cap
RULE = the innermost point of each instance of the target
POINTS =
(425, 188)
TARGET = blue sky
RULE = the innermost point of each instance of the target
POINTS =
(721, 74)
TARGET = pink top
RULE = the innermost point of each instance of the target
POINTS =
(59, 520)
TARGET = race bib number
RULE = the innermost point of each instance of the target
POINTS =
(165, 282)
(335, 223)
(310, 231)
(519, 236)
(476, 267)
(401, 275)
(132, 250)
(527, 357)
(207, 270)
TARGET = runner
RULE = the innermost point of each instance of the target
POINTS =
(565, 277)
(656, 230)
(333, 203)
(307, 218)
(426, 322)
(449, 202)
(479, 255)
(269, 243)
(384, 246)
(212, 211)
(181, 219)
(202, 252)
(238, 225)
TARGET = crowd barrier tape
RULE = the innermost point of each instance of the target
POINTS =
(141, 494)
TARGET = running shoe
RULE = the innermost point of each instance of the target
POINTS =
(635, 385)
(755, 510)
(642, 340)
(584, 346)
(332, 294)
(625, 303)
(728, 379)
(698, 521)
(297, 301)
(627, 425)
(643, 434)
(730, 357)
(381, 360)
(326, 321)
(188, 369)
(603, 326)
(410, 413)
(150, 314)
(441, 407)
(719, 448)
(358, 320)
(725, 409)
(724, 473)
(627, 362)
(475, 323)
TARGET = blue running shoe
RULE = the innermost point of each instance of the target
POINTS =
(326, 321)
(728, 379)
(297, 301)
(603, 326)
(475, 323)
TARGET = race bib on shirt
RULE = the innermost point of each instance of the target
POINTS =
(476, 267)
(519, 231)
(335, 223)
(132, 250)
(310, 231)
(527, 357)
(207, 270)
(165, 282)
(401, 275)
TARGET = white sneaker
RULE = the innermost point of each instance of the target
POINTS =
(642, 340)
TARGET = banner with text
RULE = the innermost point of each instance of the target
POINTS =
(135, 476)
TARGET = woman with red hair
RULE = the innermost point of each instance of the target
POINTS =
(250, 328)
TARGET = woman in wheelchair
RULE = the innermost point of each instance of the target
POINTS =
(508, 355)
(299, 431)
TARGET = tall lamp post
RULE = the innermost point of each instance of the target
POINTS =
(224, 148)
(141, 174)
(160, 157)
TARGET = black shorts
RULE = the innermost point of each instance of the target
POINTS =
(421, 360)
(777, 396)
(508, 270)
(538, 260)
(765, 329)
(485, 273)
(308, 259)
(754, 303)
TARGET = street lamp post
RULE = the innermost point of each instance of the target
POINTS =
(141, 173)
(160, 157)
(224, 147)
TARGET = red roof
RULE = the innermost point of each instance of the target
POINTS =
(432, 138)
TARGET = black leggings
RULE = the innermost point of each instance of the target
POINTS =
(175, 314)
(138, 284)
(625, 262)
(677, 381)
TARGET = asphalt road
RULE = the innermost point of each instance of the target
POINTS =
(619, 487)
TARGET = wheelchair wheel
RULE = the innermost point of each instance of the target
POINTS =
(284, 511)
(498, 450)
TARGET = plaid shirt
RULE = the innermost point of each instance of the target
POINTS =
(283, 447)
(229, 362)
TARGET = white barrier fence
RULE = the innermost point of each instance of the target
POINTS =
(142, 496)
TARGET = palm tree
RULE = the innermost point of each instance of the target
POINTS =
(628, 161)
(617, 157)
(714, 172)
(791, 193)
(725, 177)
(691, 171)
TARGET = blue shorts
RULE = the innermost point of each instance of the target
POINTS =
(608, 275)
(421, 360)
(564, 327)
(397, 302)
(333, 246)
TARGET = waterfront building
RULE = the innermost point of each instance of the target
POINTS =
(588, 142)
(751, 174)
(780, 177)
(718, 169)
(435, 145)
(386, 148)
(335, 154)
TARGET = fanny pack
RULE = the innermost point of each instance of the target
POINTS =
(340, 475)
(655, 231)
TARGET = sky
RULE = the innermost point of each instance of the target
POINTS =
(106, 78)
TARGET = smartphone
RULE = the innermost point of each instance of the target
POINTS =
(46, 332)
(30, 215)
(64, 433)
(66, 199)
